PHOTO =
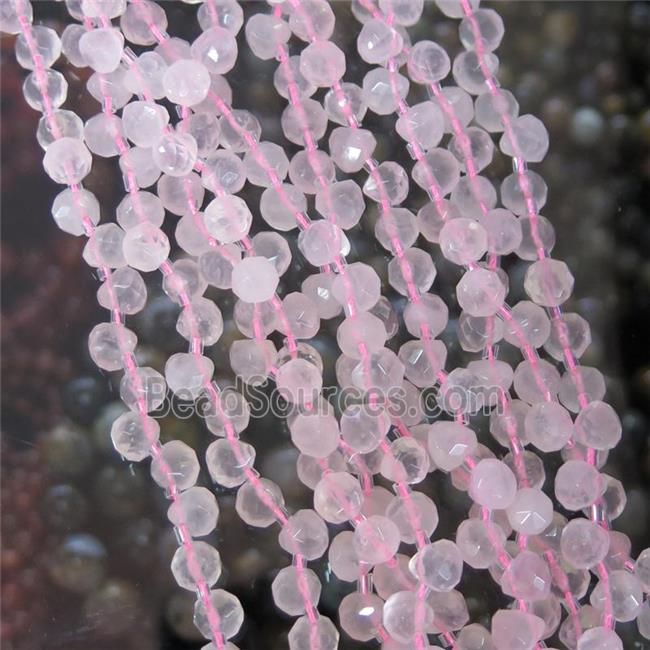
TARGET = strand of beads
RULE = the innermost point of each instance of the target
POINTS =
(112, 345)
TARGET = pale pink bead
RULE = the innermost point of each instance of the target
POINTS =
(438, 565)
(548, 426)
(102, 48)
(463, 241)
(133, 435)
(360, 615)
(338, 497)
(423, 360)
(473, 194)
(264, 33)
(205, 558)
(531, 137)
(322, 633)
(177, 464)
(476, 539)
(360, 284)
(403, 612)
(378, 41)
(439, 170)
(503, 229)
(315, 434)
(363, 329)
(254, 510)
(469, 73)
(414, 269)
(430, 312)
(254, 279)
(530, 322)
(407, 462)
(109, 343)
(67, 161)
(351, 148)
(583, 543)
(527, 577)
(228, 467)
(343, 558)
(388, 183)
(516, 630)
(227, 608)
(321, 243)
(591, 381)
(312, 19)
(382, 373)
(642, 568)
(389, 578)
(145, 247)
(531, 512)
(342, 203)
(449, 444)
(428, 62)
(578, 484)
(322, 63)
(536, 382)
(480, 292)
(216, 49)
(626, 593)
(376, 539)
(599, 638)
(302, 316)
(186, 82)
(310, 170)
(423, 124)
(197, 508)
(188, 373)
(577, 332)
(318, 287)
(548, 282)
(287, 592)
(363, 427)
(598, 426)
(378, 92)
(493, 484)
(299, 381)
(216, 265)
(490, 109)
(305, 533)
(413, 517)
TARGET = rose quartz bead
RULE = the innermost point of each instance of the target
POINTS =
(341, 202)
(531, 512)
(363, 428)
(407, 462)
(360, 615)
(254, 279)
(536, 383)
(548, 426)
(480, 292)
(188, 373)
(421, 268)
(468, 71)
(548, 282)
(318, 288)
(476, 539)
(527, 577)
(577, 332)
(490, 29)
(626, 594)
(474, 637)
(313, 19)
(503, 229)
(388, 183)
(377, 42)
(599, 638)
(392, 577)
(67, 161)
(423, 124)
(378, 93)
(322, 63)
(108, 343)
(351, 148)
(531, 136)
(205, 558)
(584, 544)
(226, 467)
(133, 435)
(431, 312)
(439, 167)
(592, 382)
(324, 632)
(338, 497)
(516, 630)
(304, 533)
(490, 109)
(102, 48)
(428, 63)
(578, 484)
(598, 426)
(493, 484)
(463, 241)
(416, 516)
(265, 33)
(449, 443)
(178, 462)
(197, 508)
(252, 509)
(438, 565)
(376, 539)
(402, 612)
(530, 323)
(343, 558)
(288, 594)
(228, 609)
(362, 281)
(321, 243)
(642, 568)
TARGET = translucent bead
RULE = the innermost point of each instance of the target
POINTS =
(344, 103)
(360, 615)
(224, 13)
(404, 12)
(388, 182)
(299, 381)
(527, 577)
(304, 533)
(404, 615)
(503, 229)
(548, 426)
(536, 382)
(591, 381)
(341, 203)
(229, 463)
(530, 136)
(216, 49)
(308, 171)
(127, 287)
(68, 123)
(186, 82)
(184, 283)
(254, 279)
(574, 330)
(137, 163)
(137, 207)
(421, 270)
(377, 42)
(548, 282)
(139, 21)
(110, 87)
(182, 194)
(288, 76)
(362, 428)
(72, 207)
(642, 568)
(252, 509)
(360, 285)
(512, 195)
(228, 609)
(475, 145)
(493, 484)
(322, 63)
(599, 638)
(102, 48)
(474, 637)
(314, 19)
(274, 159)
(318, 288)
(67, 161)
(275, 248)
(188, 373)
(305, 123)
(626, 595)
(228, 219)
(455, 104)
(376, 539)
(413, 517)
(107, 8)
(455, 8)
(515, 629)
(145, 247)
(363, 328)
(145, 75)
(598, 426)
(197, 509)
(104, 247)
(288, 590)
(408, 462)
(491, 109)
(47, 44)
(531, 512)
(343, 558)
(10, 22)
(438, 172)
(133, 435)
(475, 539)
(323, 631)
(468, 71)
(250, 316)
(530, 322)
(463, 241)
(430, 312)
(177, 464)
(104, 135)
(205, 129)
(642, 622)
(438, 565)
(472, 196)
(302, 316)
(423, 124)
(427, 63)
(144, 122)
(378, 86)
(449, 443)
(351, 148)
(578, 484)
(223, 171)
(278, 208)
(480, 292)
(175, 153)
(205, 560)
(485, 27)
(584, 544)
(57, 90)
(264, 34)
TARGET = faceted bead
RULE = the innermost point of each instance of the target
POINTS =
(456, 104)
(102, 48)
(503, 231)
(360, 284)
(137, 207)
(437, 173)
(252, 509)
(342, 557)
(584, 544)
(176, 465)
(10, 16)
(455, 8)
(427, 63)
(188, 373)
(360, 615)
(288, 592)
(145, 389)
(279, 208)
(473, 195)
(414, 516)
(422, 124)
(56, 87)
(288, 75)
(493, 484)
(182, 194)
(305, 123)
(254, 279)
(530, 322)
(475, 540)
(548, 282)
(364, 428)
(381, 372)
(264, 34)
(205, 129)
(175, 153)
(274, 159)
(614, 498)
(512, 195)
(468, 71)
(222, 172)
(477, 332)
(191, 235)
(205, 565)
(186, 82)
(145, 74)
(642, 622)
(592, 383)
(527, 577)
(536, 382)
(321, 242)
(315, 434)
(480, 292)
(458, 393)
(145, 247)
(363, 328)
(599, 638)
(302, 320)
(314, 19)
(408, 462)
(548, 426)
(418, 266)
(516, 630)
(138, 20)
(216, 265)
(388, 182)
(351, 148)
(322, 63)
(397, 229)
(299, 381)
(127, 288)
(531, 512)
(510, 423)
(598, 426)
(376, 539)
(72, 207)
(430, 312)
(68, 123)
(574, 330)
(224, 13)
(324, 631)
(642, 568)
(318, 288)
(490, 109)
(404, 615)
(109, 343)
(46, 42)
(184, 283)
(216, 49)
(626, 593)
(474, 637)
(67, 161)
(531, 139)
(344, 103)
(342, 203)
(138, 162)
(438, 565)
(485, 27)
(274, 247)
(423, 360)
(228, 609)
(305, 533)
(133, 435)
(228, 462)
(475, 145)
(378, 90)
(252, 360)
(578, 484)
(197, 509)
(463, 241)
(377, 42)
(107, 8)
(228, 415)
(404, 12)
(144, 122)
(254, 317)
(309, 170)
(228, 219)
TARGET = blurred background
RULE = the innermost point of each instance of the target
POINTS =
(86, 544)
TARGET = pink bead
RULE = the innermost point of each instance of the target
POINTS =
(493, 484)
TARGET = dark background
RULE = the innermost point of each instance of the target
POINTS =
(86, 545)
